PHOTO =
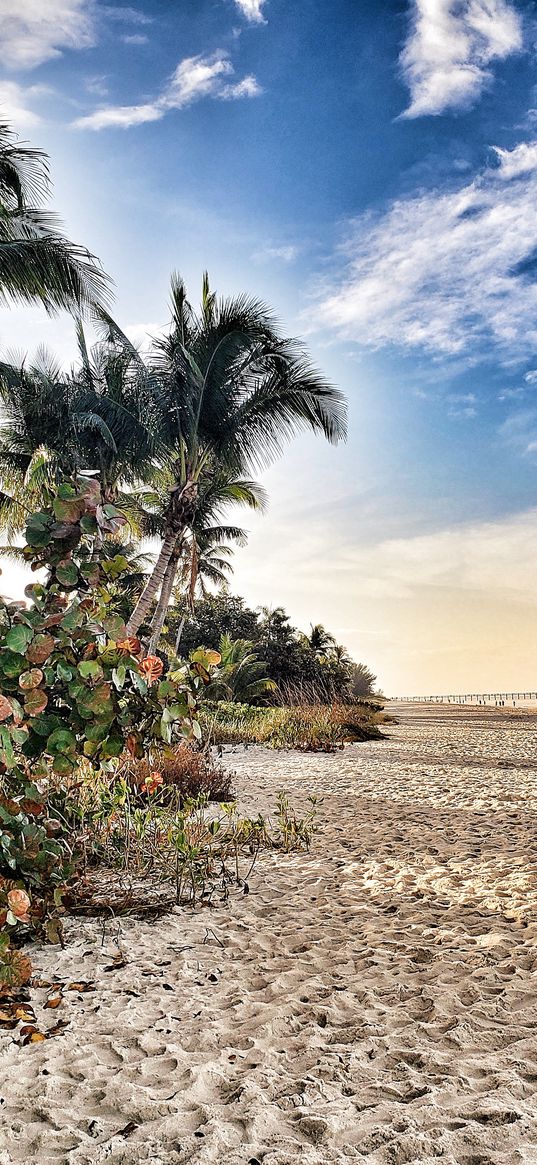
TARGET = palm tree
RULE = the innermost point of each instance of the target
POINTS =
(202, 552)
(339, 655)
(37, 262)
(320, 641)
(241, 675)
(233, 390)
(100, 418)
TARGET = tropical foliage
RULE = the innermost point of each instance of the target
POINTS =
(306, 668)
(232, 390)
(37, 261)
(73, 687)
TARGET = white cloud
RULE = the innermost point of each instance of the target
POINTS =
(520, 431)
(445, 61)
(531, 376)
(514, 163)
(33, 31)
(193, 79)
(15, 104)
(252, 10)
(283, 254)
(448, 272)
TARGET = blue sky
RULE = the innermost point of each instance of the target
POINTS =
(370, 169)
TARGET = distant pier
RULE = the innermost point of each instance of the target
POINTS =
(494, 699)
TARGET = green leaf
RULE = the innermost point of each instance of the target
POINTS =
(115, 627)
(19, 735)
(119, 675)
(67, 574)
(10, 663)
(61, 740)
(64, 673)
(139, 682)
(18, 638)
(90, 670)
(44, 725)
(112, 746)
(72, 618)
(63, 765)
(6, 747)
(178, 711)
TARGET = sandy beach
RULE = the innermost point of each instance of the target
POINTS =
(374, 1000)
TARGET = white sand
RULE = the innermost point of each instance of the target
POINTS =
(373, 1001)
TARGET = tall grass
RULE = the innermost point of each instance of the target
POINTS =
(308, 727)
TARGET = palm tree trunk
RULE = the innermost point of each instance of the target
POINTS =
(157, 621)
(181, 510)
(153, 585)
(180, 634)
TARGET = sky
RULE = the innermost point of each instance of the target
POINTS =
(369, 169)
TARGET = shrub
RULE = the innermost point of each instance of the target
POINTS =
(72, 685)
(187, 771)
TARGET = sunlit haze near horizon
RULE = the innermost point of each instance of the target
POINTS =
(370, 171)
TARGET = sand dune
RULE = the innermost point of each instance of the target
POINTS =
(375, 1000)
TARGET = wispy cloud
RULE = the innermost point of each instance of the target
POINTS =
(445, 61)
(252, 10)
(282, 254)
(448, 272)
(520, 432)
(16, 103)
(193, 79)
(136, 38)
(33, 31)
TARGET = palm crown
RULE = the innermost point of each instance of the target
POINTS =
(233, 390)
(37, 261)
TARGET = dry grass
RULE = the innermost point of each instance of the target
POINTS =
(308, 727)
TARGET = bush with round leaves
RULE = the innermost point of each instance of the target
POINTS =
(73, 684)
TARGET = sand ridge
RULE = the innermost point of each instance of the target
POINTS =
(375, 1000)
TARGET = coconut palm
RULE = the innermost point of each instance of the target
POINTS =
(233, 391)
(241, 675)
(99, 418)
(319, 640)
(203, 551)
(339, 655)
(37, 262)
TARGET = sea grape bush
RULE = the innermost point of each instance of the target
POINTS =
(73, 684)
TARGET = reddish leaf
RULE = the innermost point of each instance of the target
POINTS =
(40, 648)
(32, 808)
(132, 743)
(53, 1001)
(5, 708)
(30, 679)
(151, 668)
(131, 645)
(35, 702)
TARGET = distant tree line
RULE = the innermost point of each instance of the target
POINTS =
(302, 666)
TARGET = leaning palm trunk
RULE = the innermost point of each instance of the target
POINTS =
(166, 589)
(180, 513)
(180, 634)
